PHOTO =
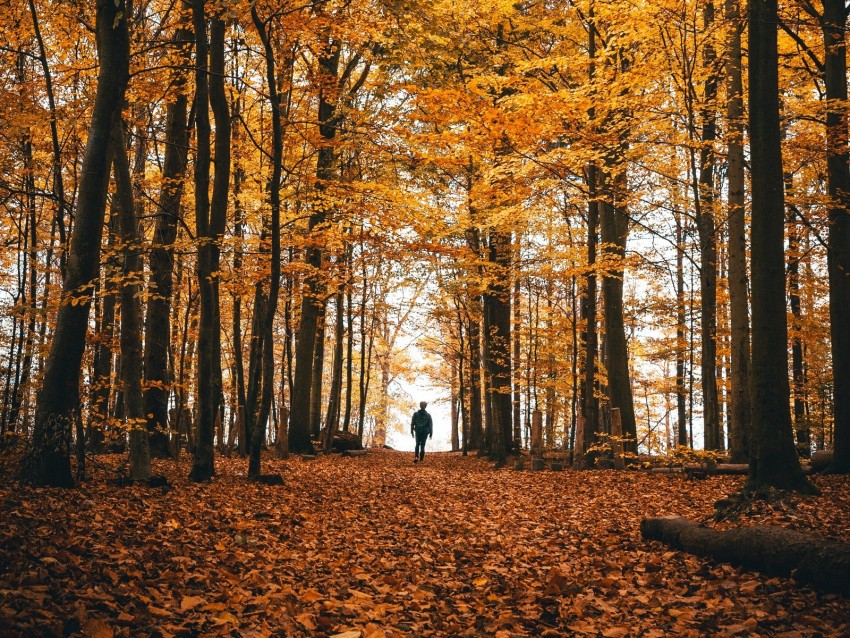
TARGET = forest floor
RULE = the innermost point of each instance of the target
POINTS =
(376, 546)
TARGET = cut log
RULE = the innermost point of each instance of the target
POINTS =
(354, 453)
(732, 468)
(691, 470)
(343, 441)
(821, 460)
(820, 562)
(537, 465)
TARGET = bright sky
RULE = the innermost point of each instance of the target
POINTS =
(398, 432)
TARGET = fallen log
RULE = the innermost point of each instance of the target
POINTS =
(820, 562)
(821, 459)
(343, 441)
(700, 471)
(354, 452)
(732, 468)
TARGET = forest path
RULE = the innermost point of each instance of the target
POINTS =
(385, 547)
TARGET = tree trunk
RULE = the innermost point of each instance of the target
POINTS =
(586, 434)
(312, 301)
(58, 182)
(681, 330)
(335, 398)
(774, 459)
(349, 358)
(318, 366)
(131, 311)
(516, 399)
(739, 415)
(476, 426)
(614, 232)
(365, 353)
(838, 257)
(21, 387)
(497, 309)
(273, 190)
(47, 461)
(455, 415)
(704, 199)
(160, 284)
(801, 427)
(210, 218)
(812, 560)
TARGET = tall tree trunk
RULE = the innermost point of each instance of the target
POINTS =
(476, 422)
(160, 284)
(739, 416)
(774, 459)
(614, 230)
(704, 199)
(47, 461)
(258, 435)
(255, 359)
(131, 310)
(681, 329)
(312, 301)
(349, 358)
(497, 312)
(586, 436)
(335, 398)
(476, 431)
(838, 257)
(236, 296)
(798, 380)
(211, 215)
(515, 335)
(29, 299)
(318, 366)
(456, 383)
(365, 351)
(58, 181)
(464, 413)
(104, 336)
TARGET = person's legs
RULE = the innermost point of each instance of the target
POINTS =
(421, 437)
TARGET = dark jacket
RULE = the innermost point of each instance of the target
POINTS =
(421, 422)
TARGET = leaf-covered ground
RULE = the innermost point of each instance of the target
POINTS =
(377, 546)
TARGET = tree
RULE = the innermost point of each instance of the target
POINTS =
(739, 413)
(258, 433)
(312, 300)
(773, 460)
(210, 218)
(131, 311)
(161, 260)
(47, 461)
(834, 25)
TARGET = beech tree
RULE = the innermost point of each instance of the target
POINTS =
(47, 461)
(773, 460)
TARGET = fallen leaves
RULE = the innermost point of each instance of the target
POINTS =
(373, 547)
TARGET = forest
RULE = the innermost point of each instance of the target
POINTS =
(240, 235)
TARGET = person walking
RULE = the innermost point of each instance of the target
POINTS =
(422, 428)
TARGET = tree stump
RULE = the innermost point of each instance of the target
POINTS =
(820, 562)
(537, 465)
